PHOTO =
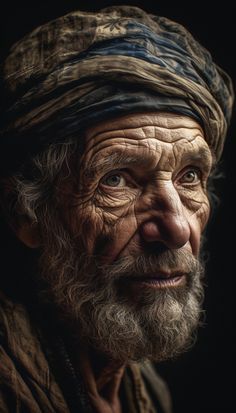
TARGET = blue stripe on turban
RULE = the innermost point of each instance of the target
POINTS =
(86, 67)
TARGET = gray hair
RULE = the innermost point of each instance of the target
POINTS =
(164, 324)
(30, 192)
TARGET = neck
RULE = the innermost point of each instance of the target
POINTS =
(102, 377)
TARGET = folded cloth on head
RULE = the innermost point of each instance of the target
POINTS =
(86, 67)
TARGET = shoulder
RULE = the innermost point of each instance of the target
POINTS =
(25, 377)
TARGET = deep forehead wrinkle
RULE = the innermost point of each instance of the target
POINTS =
(148, 131)
(136, 158)
(144, 125)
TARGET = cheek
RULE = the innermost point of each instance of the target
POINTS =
(117, 241)
(197, 222)
(99, 223)
(119, 226)
(101, 231)
(118, 222)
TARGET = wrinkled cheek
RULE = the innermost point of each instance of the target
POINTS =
(203, 214)
(198, 222)
(91, 231)
(101, 232)
(85, 225)
(116, 234)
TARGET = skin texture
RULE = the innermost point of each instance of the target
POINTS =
(153, 194)
(142, 187)
(157, 195)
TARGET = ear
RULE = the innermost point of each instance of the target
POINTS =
(28, 233)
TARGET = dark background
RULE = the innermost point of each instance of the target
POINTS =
(202, 379)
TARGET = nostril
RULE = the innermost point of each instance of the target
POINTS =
(153, 248)
(169, 229)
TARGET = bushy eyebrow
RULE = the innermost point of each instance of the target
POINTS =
(114, 160)
(203, 156)
(121, 159)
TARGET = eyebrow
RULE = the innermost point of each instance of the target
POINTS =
(203, 156)
(121, 159)
(114, 160)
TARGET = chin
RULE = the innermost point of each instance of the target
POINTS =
(159, 331)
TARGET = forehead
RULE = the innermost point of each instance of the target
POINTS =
(145, 142)
(166, 127)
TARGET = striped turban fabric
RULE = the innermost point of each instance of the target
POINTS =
(85, 67)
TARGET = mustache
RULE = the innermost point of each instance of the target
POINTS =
(169, 261)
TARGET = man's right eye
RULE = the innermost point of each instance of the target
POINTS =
(114, 180)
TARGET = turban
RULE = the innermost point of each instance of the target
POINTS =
(86, 67)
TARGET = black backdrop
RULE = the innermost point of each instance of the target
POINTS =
(202, 379)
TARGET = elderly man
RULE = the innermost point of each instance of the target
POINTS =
(113, 124)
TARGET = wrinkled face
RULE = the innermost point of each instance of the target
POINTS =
(143, 181)
(138, 215)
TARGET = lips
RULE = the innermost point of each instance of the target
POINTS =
(160, 279)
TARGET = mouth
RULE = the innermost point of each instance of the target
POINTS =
(160, 280)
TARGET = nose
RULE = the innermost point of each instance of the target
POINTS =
(166, 220)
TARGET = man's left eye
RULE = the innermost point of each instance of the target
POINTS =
(191, 176)
(115, 180)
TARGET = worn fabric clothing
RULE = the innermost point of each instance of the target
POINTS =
(86, 67)
(28, 384)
